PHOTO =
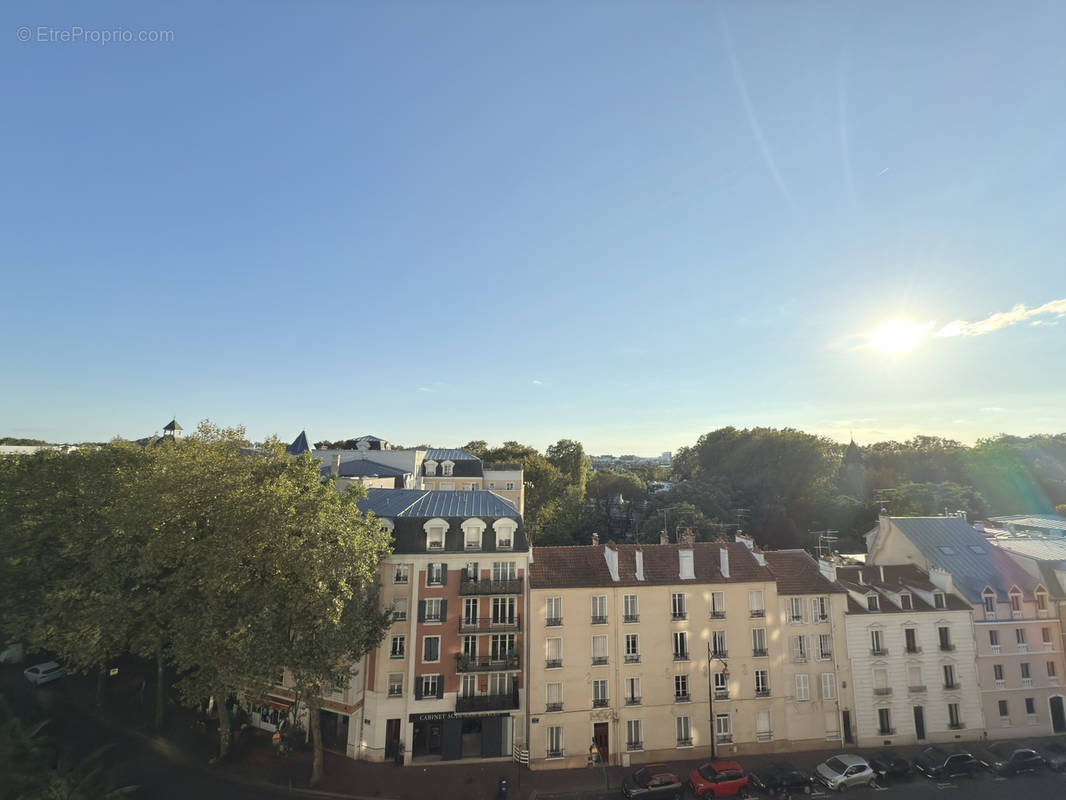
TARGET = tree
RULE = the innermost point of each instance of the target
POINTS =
(569, 458)
(478, 448)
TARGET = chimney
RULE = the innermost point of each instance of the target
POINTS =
(828, 569)
(336, 463)
(638, 554)
(881, 569)
(723, 559)
(610, 555)
(663, 538)
(595, 539)
(688, 538)
(747, 541)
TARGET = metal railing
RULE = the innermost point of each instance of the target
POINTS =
(470, 586)
(631, 618)
(553, 622)
(882, 691)
(487, 663)
(632, 658)
(758, 652)
(490, 624)
(597, 619)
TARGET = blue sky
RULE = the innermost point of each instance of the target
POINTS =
(622, 222)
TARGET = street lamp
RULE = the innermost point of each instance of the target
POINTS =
(710, 692)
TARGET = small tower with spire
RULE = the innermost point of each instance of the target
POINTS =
(172, 430)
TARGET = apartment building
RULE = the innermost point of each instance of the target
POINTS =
(646, 648)
(449, 470)
(447, 682)
(913, 656)
(1018, 635)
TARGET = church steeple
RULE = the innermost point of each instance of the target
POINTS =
(173, 430)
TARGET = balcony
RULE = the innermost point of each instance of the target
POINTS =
(553, 663)
(795, 620)
(473, 587)
(799, 658)
(883, 691)
(720, 654)
(1016, 613)
(758, 613)
(600, 702)
(821, 618)
(633, 747)
(682, 698)
(717, 614)
(684, 743)
(916, 689)
(632, 701)
(553, 622)
(947, 647)
(599, 661)
(956, 726)
(1027, 683)
(554, 754)
(475, 624)
(678, 616)
(952, 686)
(632, 658)
(995, 649)
(762, 692)
(721, 694)
(472, 547)
(487, 702)
(825, 655)
(914, 650)
(395, 691)
(631, 618)
(681, 656)
(886, 732)
(597, 619)
(486, 663)
(758, 652)
(724, 738)
(764, 736)
(1023, 647)
(879, 651)
(1000, 683)
(549, 707)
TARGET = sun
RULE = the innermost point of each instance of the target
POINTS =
(898, 336)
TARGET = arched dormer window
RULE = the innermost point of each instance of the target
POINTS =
(505, 530)
(435, 530)
(1041, 601)
(446, 468)
(430, 466)
(988, 598)
(473, 528)
(1015, 595)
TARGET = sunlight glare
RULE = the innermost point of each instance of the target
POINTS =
(898, 336)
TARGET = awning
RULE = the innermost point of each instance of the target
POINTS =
(280, 703)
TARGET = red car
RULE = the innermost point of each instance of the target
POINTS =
(719, 779)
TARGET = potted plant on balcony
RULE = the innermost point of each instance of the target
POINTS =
(462, 662)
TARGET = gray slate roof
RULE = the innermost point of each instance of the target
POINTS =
(427, 505)
(1050, 522)
(299, 445)
(440, 454)
(972, 560)
(364, 468)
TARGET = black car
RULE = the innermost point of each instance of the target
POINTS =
(1009, 758)
(780, 775)
(1054, 754)
(653, 782)
(935, 762)
(890, 765)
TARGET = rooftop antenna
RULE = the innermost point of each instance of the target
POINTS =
(825, 541)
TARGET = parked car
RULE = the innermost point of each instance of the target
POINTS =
(44, 673)
(1009, 758)
(780, 775)
(890, 765)
(1053, 752)
(653, 782)
(935, 762)
(719, 779)
(840, 773)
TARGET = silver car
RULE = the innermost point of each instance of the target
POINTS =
(844, 771)
(44, 673)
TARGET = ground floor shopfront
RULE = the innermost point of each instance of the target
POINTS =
(447, 736)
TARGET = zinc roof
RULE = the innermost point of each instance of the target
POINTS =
(429, 504)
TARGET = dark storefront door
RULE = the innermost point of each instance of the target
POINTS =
(392, 739)
(919, 723)
(427, 739)
(334, 730)
(1058, 716)
(846, 715)
(491, 734)
(452, 745)
(600, 738)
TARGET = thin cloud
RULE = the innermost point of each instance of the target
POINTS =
(537, 383)
(424, 389)
(884, 171)
(1003, 319)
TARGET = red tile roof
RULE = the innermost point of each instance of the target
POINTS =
(798, 573)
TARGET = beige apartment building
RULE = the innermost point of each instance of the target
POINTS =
(637, 652)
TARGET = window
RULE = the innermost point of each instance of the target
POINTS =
(553, 697)
(993, 638)
(949, 677)
(399, 609)
(447, 468)
(554, 742)
(510, 485)
(468, 688)
(395, 684)
(435, 574)
(397, 649)
(877, 647)
(632, 654)
(402, 573)
(884, 722)
(681, 689)
(762, 683)
(634, 735)
(989, 600)
(680, 646)
(881, 682)
(872, 603)
(763, 730)
(1016, 603)
(502, 646)
(599, 609)
(678, 606)
(976, 548)
(718, 605)
(431, 648)
(905, 602)
(432, 610)
(1025, 670)
(435, 538)
(945, 638)
(910, 640)
(803, 687)
(632, 691)
(825, 646)
(629, 606)
(553, 653)
(1041, 602)
(430, 466)
(474, 486)
(553, 614)
(599, 693)
(492, 485)
(758, 641)
(829, 686)
(800, 650)
(1019, 637)
(948, 551)
(721, 686)
(1045, 636)
(471, 572)
(755, 603)
(470, 611)
(954, 720)
(599, 649)
(472, 537)
(997, 672)
(1051, 669)
(500, 683)
(470, 646)
(820, 609)
(939, 600)
(723, 729)
(503, 611)
(1030, 706)
(684, 732)
(718, 644)
(795, 611)
(505, 530)
(1003, 709)
(504, 571)
(914, 677)
(431, 686)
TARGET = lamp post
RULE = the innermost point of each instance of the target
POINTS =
(710, 693)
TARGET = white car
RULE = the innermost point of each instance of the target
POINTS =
(44, 673)
(844, 771)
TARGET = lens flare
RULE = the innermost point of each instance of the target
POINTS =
(899, 336)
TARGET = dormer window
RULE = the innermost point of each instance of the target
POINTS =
(989, 600)
(940, 600)
(872, 602)
(1041, 602)
(686, 569)
(1015, 603)
(505, 531)
(430, 466)
(905, 601)
(446, 468)
(472, 530)
(435, 530)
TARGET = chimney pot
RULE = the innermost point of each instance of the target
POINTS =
(595, 539)
(664, 538)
